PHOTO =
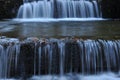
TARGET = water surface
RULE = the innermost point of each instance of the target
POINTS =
(82, 29)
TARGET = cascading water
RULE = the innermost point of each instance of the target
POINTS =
(53, 56)
(58, 9)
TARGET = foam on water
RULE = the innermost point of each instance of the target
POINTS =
(79, 77)
(105, 76)
(56, 20)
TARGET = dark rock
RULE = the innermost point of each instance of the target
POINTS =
(26, 60)
(9, 8)
(55, 58)
(72, 57)
(110, 9)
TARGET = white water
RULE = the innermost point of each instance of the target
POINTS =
(57, 20)
(58, 9)
(104, 76)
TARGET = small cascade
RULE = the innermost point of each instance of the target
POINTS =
(9, 52)
(53, 56)
(58, 9)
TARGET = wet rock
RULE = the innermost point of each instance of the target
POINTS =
(32, 39)
(2, 37)
(72, 57)
(26, 60)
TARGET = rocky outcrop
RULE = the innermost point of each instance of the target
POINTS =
(9, 8)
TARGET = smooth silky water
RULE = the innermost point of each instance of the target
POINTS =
(86, 47)
(59, 9)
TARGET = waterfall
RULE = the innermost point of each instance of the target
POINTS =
(58, 9)
(9, 52)
(53, 56)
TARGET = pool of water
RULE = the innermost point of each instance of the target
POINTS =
(82, 29)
